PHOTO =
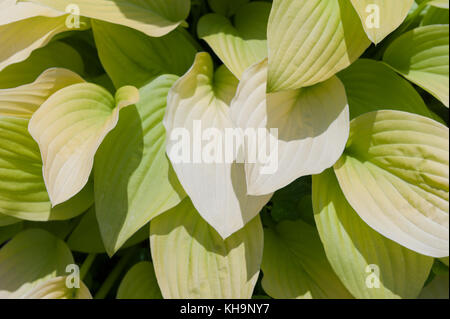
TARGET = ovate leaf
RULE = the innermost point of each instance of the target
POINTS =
(197, 103)
(394, 173)
(57, 288)
(69, 127)
(241, 44)
(192, 261)
(55, 54)
(380, 17)
(437, 289)
(435, 15)
(372, 85)
(139, 283)
(24, 100)
(421, 55)
(312, 126)
(30, 258)
(154, 18)
(311, 40)
(134, 181)
(369, 265)
(295, 266)
(144, 58)
(22, 190)
(18, 42)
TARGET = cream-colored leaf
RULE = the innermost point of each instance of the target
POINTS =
(192, 261)
(69, 127)
(14, 10)
(394, 173)
(380, 17)
(368, 264)
(439, 3)
(197, 103)
(154, 18)
(311, 40)
(57, 288)
(312, 126)
(24, 100)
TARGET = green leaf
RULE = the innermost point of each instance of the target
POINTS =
(437, 289)
(7, 232)
(372, 86)
(55, 54)
(354, 249)
(394, 173)
(216, 186)
(86, 237)
(439, 3)
(30, 258)
(228, 7)
(18, 42)
(69, 127)
(23, 193)
(134, 181)
(312, 128)
(435, 15)
(24, 100)
(155, 18)
(57, 288)
(381, 17)
(192, 261)
(241, 44)
(311, 40)
(144, 58)
(421, 55)
(6, 220)
(295, 266)
(139, 283)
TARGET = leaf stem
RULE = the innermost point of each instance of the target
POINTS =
(87, 265)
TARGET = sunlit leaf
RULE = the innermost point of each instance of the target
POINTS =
(295, 266)
(242, 43)
(312, 128)
(192, 260)
(421, 55)
(139, 283)
(30, 258)
(14, 10)
(56, 288)
(216, 185)
(69, 127)
(368, 264)
(439, 3)
(311, 40)
(154, 18)
(24, 100)
(394, 173)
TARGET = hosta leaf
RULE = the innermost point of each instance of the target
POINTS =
(435, 15)
(421, 55)
(312, 124)
(439, 3)
(55, 54)
(6, 220)
(154, 18)
(69, 127)
(134, 181)
(14, 10)
(30, 258)
(86, 237)
(437, 289)
(121, 48)
(311, 40)
(218, 188)
(372, 86)
(24, 100)
(227, 7)
(241, 44)
(352, 248)
(192, 261)
(139, 283)
(295, 266)
(380, 17)
(7, 232)
(18, 42)
(22, 190)
(394, 173)
(56, 288)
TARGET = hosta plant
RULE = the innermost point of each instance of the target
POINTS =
(224, 149)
